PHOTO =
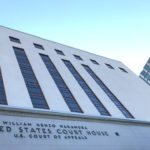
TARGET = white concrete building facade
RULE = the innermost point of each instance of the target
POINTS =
(42, 78)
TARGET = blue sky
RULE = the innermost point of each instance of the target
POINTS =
(118, 29)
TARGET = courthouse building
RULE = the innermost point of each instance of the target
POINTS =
(57, 97)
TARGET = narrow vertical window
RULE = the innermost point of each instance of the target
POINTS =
(64, 90)
(100, 107)
(114, 99)
(31, 82)
(3, 99)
